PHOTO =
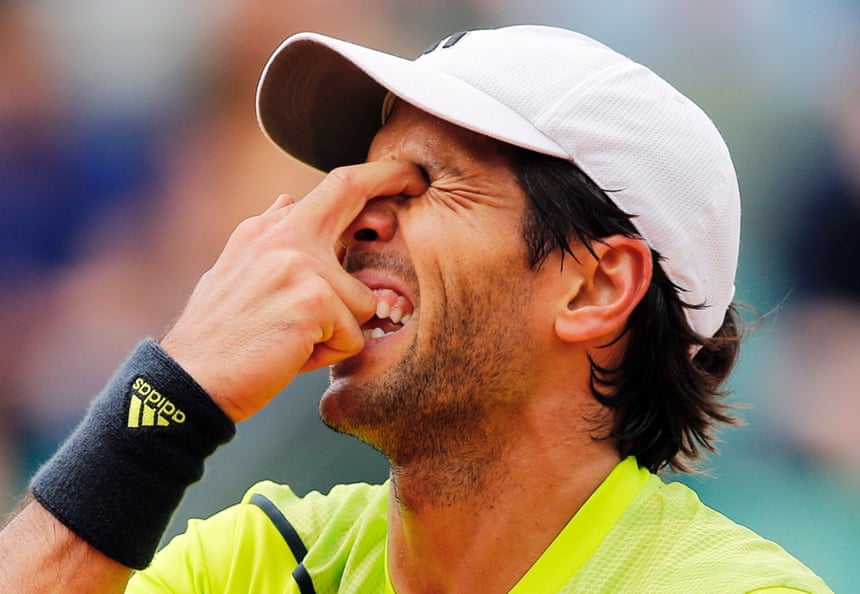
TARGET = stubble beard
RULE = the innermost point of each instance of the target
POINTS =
(432, 414)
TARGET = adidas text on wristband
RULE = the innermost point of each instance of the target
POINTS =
(118, 478)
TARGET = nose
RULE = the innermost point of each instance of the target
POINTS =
(377, 222)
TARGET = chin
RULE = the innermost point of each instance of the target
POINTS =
(342, 407)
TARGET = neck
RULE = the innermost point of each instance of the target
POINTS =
(467, 524)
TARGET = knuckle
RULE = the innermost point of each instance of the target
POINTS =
(292, 265)
(310, 294)
(345, 177)
(249, 228)
(309, 331)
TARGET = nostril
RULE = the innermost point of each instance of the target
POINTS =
(366, 235)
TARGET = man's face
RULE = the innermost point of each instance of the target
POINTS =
(452, 265)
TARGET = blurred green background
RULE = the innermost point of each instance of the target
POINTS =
(129, 150)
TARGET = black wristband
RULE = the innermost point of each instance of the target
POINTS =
(119, 477)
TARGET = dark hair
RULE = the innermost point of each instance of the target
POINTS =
(665, 402)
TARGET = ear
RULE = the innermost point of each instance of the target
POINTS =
(604, 290)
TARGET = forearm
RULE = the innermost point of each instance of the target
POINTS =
(41, 555)
(99, 506)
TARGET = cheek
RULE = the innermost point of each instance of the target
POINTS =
(455, 253)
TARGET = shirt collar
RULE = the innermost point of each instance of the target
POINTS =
(580, 538)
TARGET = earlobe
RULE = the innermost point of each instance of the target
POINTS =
(604, 290)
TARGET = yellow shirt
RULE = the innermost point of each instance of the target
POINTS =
(634, 534)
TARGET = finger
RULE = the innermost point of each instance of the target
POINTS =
(328, 209)
(323, 355)
(357, 296)
(340, 336)
(340, 250)
(347, 341)
(281, 201)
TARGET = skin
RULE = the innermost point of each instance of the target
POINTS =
(480, 402)
(424, 395)
(282, 305)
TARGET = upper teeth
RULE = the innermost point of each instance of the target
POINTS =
(395, 312)
(383, 310)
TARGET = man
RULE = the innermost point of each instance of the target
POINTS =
(525, 296)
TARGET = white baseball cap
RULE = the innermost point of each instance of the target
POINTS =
(656, 153)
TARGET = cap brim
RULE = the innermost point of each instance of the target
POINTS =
(320, 99)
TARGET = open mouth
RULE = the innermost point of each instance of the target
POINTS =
(393, 311)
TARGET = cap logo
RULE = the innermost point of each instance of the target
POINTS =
(446, 42)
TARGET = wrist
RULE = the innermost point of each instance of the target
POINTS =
(118, 478)
(199, 366)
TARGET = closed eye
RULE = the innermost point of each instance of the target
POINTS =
(424, 173)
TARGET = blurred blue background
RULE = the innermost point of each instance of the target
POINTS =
(129, 150)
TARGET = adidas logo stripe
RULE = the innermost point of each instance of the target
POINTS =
(148, 407)
(140, 415)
